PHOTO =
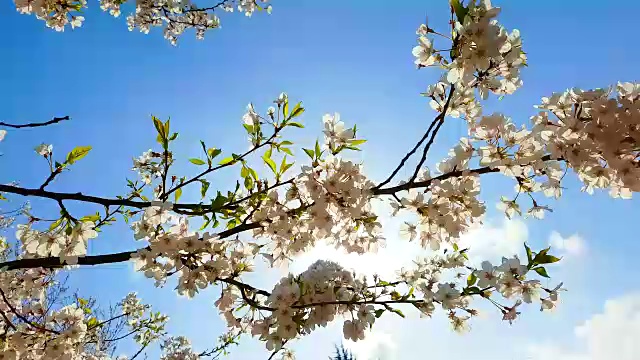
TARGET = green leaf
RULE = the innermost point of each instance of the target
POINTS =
(204, 187)
(455, 247)
(206, 223)
(219, 201)
(92, 322)
(318, 151)
(287, 151)
(297, 110)
(546, 259)
(248, 183)
(471, 279)
(56, 223)
(542, 271)
(213, 152)
(284, 166)
(267, 159)
(270, 163)
(357, 142)
(197, 161)
(254, 174)
(250, 128)
(285, 108)
(397, 311)
(379, 313)
(529, 253)
(159, 126)
(228, 160)
(78, 153)
(309, 152)
(166, 127)
(295, 124)
(460, 10)
(177, 194)
(472, 290)
(410, 292)
(93, 218)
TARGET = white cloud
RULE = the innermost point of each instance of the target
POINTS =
(375, 346)
(492, 242)
(574, 245)
(613, 334)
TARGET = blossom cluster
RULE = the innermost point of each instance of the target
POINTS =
(336, 204)
(200, 260)
(149, 165)
(36, 328)
(67, 242)
(483, 54)
(445, 214)
(596, 134)
(175, 16)
(57, 14)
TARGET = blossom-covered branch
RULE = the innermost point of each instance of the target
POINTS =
(173, 16)
(277, 211)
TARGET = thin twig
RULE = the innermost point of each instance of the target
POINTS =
(440, 121)
(32, 125)
(21, 317)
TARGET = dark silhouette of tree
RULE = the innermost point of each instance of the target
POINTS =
(342, 354)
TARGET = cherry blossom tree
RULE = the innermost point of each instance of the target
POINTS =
(277, 211)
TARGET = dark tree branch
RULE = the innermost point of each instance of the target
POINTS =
(50, 178)
(440, 121)
(32, 125)
(56, 262)
(215, 168)
(440, 118)
(21, 317)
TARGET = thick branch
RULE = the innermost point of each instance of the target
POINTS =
(56, 262)
(32, 125)
(421, 184)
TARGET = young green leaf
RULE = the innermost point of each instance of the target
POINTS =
(178, 194)
(397, 311)
(285, 108)
(269, 162)
(213, 152)
(471, 279)
(529, 253)
(227, 160)
(541, 271)
(204, 187)
(77, 153)
(197, 161)
(309, 152)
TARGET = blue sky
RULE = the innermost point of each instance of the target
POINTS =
(349, 57)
